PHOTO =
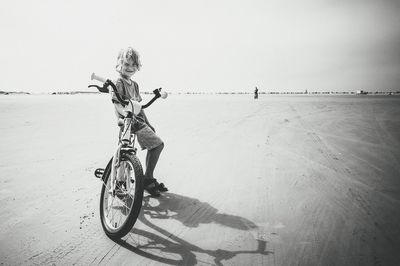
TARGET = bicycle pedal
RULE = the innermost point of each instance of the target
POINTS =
(99, 172)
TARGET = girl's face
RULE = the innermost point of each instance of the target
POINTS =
(128, 68)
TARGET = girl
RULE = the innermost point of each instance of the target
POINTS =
(127, 64)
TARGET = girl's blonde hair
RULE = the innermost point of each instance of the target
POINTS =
(126, 54)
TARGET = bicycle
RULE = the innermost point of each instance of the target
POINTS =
(122, 191)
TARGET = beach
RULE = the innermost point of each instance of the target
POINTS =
(282, 180)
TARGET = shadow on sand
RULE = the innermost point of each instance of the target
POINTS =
(166, 247)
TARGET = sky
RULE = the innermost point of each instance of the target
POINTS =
(204, 46)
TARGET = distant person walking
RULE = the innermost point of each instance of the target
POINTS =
(256, 93)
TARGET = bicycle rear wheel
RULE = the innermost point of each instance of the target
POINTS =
(120, 208)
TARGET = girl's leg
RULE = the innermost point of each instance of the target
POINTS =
(152, 159)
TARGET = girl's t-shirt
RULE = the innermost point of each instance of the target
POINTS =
(129, 91)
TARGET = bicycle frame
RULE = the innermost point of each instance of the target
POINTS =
(123, 181)
(126, 136)
(126, 145)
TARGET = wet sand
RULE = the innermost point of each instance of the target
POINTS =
(284, 180)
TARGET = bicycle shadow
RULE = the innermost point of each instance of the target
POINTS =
(181, 252)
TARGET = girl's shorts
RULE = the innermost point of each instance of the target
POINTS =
(147, 138)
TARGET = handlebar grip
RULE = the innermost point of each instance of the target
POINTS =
(98, 78)
(164, 94)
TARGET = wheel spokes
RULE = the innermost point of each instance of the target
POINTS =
(117, 207)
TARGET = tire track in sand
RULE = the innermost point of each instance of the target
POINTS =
(354, 199)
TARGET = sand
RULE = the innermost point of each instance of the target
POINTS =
(284, 180)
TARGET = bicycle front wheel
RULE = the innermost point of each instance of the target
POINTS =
(120, 207)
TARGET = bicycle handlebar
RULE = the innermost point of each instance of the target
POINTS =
(107, 82)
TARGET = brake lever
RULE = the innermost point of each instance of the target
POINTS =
(157, 95)
(157, 92)
(103, 89)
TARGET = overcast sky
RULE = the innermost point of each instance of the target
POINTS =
(206, 45)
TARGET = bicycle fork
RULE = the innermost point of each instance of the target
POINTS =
(115, 164)
(120, 169)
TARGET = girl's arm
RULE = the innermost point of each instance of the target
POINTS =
(121, 110)
(118, 106)
(147, 121)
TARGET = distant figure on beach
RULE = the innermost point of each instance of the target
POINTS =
(127, 64)
(256, 93)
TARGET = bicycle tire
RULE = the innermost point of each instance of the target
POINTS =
(126, 226)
